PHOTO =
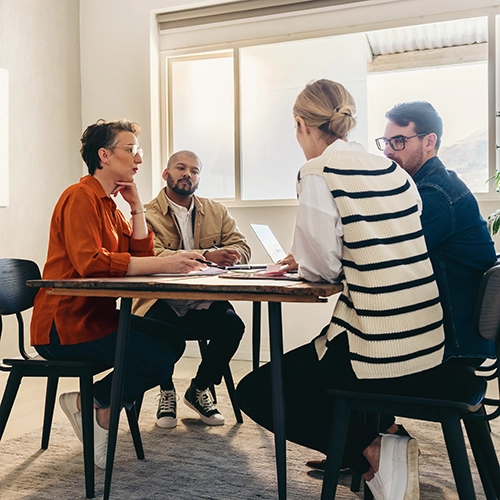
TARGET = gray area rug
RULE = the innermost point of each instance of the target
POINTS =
(195, 461)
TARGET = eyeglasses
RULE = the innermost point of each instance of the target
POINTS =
(397, 142)
(132, 150)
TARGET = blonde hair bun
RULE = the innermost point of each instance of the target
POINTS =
(327, 105)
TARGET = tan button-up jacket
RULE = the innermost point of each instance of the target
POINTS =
(213, 226)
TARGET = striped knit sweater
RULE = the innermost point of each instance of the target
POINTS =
(390, 304)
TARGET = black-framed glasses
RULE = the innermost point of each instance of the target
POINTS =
(398, 142)
(132, 150)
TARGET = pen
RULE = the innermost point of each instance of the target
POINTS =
(207, 263)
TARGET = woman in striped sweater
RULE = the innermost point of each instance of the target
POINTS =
(358, 222)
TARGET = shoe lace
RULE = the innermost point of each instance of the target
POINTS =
(205, 399)
(168, 400)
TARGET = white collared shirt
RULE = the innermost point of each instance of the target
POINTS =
(184, 218)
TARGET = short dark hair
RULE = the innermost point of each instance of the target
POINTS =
(102, 134)
(422, 114)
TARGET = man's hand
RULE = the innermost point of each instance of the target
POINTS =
(223, 257)
(288, 263)
(182, 262)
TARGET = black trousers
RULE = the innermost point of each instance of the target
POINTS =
(308, 409)
(219, 324)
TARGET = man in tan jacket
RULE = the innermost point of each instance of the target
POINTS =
(183, 221)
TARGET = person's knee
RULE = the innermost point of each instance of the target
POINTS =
(234, 325)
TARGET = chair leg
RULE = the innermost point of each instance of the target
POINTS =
(87, 404)
(455, 444)
(50, 402)
(355, 481)
(228, 378)
(9, 396)
(336, 444)
(138, 406)
(485, 457)
(136, 433)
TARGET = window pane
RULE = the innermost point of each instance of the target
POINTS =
(460, 95)
(203, 119)
(271, 78)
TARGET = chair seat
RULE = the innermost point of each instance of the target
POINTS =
(465, 392)
(471, 402)
(38, 360)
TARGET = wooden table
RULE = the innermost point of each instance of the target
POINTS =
(274, 292)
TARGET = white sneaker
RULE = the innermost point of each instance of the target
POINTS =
(68, 402)
(166, 415)
(397, 476)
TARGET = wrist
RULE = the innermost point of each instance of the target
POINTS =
(138, 211)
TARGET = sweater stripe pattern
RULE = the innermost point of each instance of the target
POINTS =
(390, 303)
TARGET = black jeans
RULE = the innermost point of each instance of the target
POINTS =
(219, 324)
(152, 350)
(308, 409)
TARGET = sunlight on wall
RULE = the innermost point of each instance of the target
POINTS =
(4, 137)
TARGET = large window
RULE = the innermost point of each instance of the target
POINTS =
(459, 93)
(234, 106)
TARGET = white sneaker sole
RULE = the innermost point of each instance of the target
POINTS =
(207, 420)
(412, 491)
(166, 422)
(397, 478)
(68, 404)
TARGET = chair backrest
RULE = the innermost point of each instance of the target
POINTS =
(488, 304)
(15, 296)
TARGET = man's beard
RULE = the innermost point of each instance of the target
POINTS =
(178, 189)
(411, 164)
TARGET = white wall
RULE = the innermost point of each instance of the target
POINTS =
(40, 47)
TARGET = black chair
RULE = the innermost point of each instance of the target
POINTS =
(16, 297)
(461, 399)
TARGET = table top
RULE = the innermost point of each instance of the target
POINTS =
(195, 288)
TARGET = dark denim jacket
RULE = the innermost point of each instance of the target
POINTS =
(461, 250)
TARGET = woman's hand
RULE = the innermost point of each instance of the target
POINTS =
(182, 262)
(178, 263)
(288, 263)
(129, 193)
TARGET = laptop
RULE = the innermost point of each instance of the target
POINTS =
(270, 243)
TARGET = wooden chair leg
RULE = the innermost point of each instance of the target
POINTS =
(228, 378)
(455, 444)
(336, 444)
(50, 402)
(135, 432)
(138, 406)
(485, 457)
(9, 396)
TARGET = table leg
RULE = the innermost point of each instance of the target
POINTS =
(117, 389)
(276, 347)
(256, 319)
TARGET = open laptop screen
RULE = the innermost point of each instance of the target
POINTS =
(269, 242)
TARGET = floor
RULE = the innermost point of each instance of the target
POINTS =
(27, 413)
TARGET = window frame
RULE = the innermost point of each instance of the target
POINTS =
(205, 50)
